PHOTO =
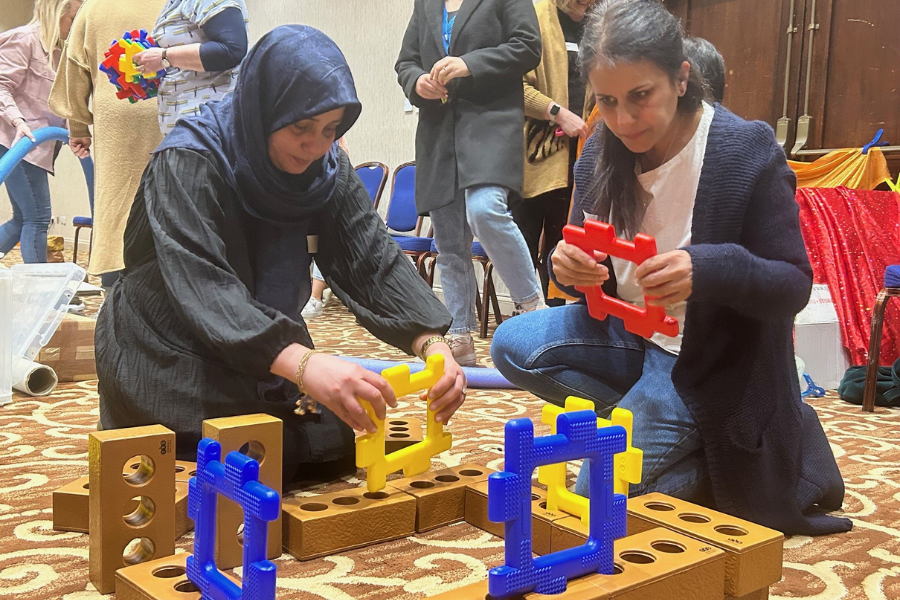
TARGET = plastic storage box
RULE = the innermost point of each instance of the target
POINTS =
(40, 294)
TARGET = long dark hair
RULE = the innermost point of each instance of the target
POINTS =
(629, 31)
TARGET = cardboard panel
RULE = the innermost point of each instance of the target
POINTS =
(441, 495)
(754, 553)
(331, 523)
(260, 436)
(120, 534)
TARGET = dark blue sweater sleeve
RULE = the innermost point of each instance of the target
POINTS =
(767, 276)
(227, 43)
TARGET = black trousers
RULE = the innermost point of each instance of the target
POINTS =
(545, 214)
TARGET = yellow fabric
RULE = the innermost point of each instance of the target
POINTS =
(549, 82)
(850, 168)
(124, 134)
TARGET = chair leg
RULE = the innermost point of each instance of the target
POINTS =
(420, 265)
(75, 249)
(90, 245)
(477, 302)
(494, 302)
(485, 299)
(874, 351)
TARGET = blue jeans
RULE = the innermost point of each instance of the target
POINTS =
(485, 215)
(561, 352)
(29, 191)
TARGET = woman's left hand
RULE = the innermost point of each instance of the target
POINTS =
(667, 278)
(448, 69)
(149, 61)
(449, 393)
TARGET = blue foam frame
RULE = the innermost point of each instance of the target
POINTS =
(509, 502)
(238, 480)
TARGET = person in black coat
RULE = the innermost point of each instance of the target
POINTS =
(205, 321)
(717, 408)
(462, 63)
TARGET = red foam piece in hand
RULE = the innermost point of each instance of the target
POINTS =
(601, 237)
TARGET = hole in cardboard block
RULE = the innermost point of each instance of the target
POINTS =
(535, 497)
(694, 518)
(86, 486)
(254, 450)
(376, 495)
(543, 505)
(471, 472)
(399, 435)
(346, 501)
(240, 534)
(732, 530)
(139, 510)
(399, 428)
(168, 572)
(179, 469)
(668, 547)
(313, 507)
(143, 472)
(660, 506)
(193, 473)
(138, 550)
(618, 569)
(404, 423)
(186, 587)
(422, 485)
(446, 478)
(637, 557)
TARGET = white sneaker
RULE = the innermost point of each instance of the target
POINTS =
(313, 309)
(463, 348)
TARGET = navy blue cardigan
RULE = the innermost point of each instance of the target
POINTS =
(768, 457)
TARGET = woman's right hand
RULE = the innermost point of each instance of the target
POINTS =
(574, 266)
(572, 124)
(341, 386)
(430, 89)
(23, 130)
(81, 147)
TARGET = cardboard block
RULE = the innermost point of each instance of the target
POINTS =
(441, 495)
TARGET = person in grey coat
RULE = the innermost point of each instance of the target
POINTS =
(462, 63)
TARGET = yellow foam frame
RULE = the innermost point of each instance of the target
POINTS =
(415, 459)
(626, 465)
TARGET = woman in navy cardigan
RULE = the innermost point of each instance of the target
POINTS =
(717, 409)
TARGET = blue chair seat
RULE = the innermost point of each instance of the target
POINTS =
(413, 244)
(477, 250)
(892, 276)
(82, 222)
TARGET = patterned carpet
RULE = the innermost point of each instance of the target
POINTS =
(43, 445)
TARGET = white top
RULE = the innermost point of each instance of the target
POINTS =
(182, 92)
(668, 194)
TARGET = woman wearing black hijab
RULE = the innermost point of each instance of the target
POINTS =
(206, 320)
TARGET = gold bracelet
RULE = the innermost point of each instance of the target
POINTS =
(435, 339)
(306, 403)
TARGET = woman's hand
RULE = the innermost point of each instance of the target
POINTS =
(667, 278)
(449, 68)
(81, 147)
(573, 266)
(428, 89)
(150, 60)
(341, 386)
(449, 393)
(23, 130)
(572, 124)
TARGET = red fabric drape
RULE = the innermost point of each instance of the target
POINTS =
(851, 236)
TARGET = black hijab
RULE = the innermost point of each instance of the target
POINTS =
(293, 73)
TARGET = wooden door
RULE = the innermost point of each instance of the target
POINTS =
(752, 37)
(855, 75)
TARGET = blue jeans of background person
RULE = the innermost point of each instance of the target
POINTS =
(484, 214)
(29, 190)
(561, 352)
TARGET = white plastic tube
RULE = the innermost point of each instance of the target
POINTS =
(33, 379)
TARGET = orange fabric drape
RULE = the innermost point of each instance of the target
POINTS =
(848, 168)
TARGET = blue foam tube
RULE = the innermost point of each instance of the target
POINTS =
(21, 148)
(477, 377)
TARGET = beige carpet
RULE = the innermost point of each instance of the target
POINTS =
(43, 445)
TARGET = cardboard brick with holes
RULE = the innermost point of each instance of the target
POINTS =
(672, 549)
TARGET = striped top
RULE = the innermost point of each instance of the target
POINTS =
(183, 92)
